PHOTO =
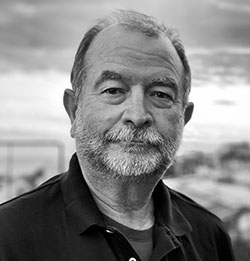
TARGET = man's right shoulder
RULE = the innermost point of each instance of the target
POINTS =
(31, 201)
(25, 218)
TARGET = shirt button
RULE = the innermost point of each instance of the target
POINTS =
(109, 231)
(132, 259)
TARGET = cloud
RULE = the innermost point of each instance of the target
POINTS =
(216, 51)
(44, 34)
(233, 6)
(222, 66)
(23, 8)
(36, 59)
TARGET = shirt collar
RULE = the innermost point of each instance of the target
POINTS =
(167, 212)
(79, 202)
(84, 213)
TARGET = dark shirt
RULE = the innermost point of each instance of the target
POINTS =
(60, 221)
(140, 240)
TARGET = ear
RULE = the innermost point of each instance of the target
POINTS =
(188, 112)
(70, 104)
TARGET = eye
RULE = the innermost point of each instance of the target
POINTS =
(160, 95)
(113, 91)
(161, 98)
(114, 95)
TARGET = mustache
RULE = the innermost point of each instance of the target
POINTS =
(148, 136)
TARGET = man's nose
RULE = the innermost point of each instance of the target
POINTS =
(136, 112)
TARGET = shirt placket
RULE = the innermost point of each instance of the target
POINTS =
(120, 246)
(167, 246)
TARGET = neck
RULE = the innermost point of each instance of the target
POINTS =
(136, 217)
(127, 202)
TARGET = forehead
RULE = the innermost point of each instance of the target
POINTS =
(119, 47)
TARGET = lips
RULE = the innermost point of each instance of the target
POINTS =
(141, 137)
(132, 143)
(137, 143)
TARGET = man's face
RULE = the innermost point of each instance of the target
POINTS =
(130, 117)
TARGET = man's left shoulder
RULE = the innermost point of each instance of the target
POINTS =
(208, 230)
(194, 212)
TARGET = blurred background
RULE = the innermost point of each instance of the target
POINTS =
(38, 41)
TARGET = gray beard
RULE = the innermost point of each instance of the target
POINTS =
(128, 153)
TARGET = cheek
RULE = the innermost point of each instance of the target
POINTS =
(102, 116)
(170, 124)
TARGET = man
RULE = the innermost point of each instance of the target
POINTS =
(128, 107)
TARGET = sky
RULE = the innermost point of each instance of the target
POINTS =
(39, 38)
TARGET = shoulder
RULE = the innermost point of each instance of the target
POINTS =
(208, 230)
(27, 216)
(24, 209)
(198, 216)
(49, 185)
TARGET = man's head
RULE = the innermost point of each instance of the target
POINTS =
(135, 22)
(129, 102)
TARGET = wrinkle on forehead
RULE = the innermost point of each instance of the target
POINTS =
(116, 36)
(139, 62)
(134, 56)
(143, 57)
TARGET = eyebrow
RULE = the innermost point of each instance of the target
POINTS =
(108, 76)
(169, 82)
(165, 82)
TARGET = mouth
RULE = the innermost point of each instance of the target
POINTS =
(130, 143)
(135, 145)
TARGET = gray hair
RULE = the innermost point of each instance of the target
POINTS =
(136, 22)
